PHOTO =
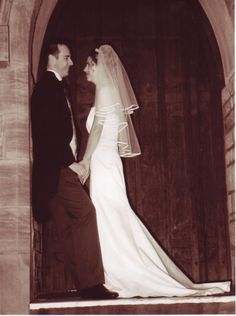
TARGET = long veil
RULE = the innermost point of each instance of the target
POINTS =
(114, 94)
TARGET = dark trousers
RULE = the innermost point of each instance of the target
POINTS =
(76, 224)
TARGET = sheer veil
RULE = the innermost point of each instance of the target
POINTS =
(115, 96)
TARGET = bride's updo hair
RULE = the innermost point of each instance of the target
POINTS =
(94, 55)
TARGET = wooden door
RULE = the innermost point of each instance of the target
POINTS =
(177, 186)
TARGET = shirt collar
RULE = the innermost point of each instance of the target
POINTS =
(56, 74)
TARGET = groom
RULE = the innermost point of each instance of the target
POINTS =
(56, 189)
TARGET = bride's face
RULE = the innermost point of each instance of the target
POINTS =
(90, 70)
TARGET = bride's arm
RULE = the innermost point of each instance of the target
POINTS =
(103, 101)
(82, 168)
(93, 140)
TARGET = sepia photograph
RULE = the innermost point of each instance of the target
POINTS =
(117, 157)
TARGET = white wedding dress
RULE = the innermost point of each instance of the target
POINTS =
(134, 263)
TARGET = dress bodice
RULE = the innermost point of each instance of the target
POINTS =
(110, 124)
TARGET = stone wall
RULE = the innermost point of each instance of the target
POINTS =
(230, 6)
(228, 115)
(14, 156)
(228, 95)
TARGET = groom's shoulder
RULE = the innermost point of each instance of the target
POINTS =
(47, 83)
(46, 79)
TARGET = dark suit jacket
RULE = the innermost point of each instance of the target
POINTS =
(51, 133)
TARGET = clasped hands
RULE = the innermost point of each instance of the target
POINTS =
(82, 170)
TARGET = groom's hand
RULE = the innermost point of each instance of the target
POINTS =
(80, 170)
(83, 166)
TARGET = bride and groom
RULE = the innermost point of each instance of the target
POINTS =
(103, 241)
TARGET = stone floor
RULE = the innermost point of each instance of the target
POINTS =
(158, 306)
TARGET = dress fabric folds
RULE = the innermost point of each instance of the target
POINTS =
(134, 263)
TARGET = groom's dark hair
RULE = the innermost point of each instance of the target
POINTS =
(52, 48)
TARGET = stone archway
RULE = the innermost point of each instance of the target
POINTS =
(38, 27)
(218, 15)
(221, 22)
(222, 25)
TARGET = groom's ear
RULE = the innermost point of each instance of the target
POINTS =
(51, 59)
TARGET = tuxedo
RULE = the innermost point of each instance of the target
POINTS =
(56, 190)
(51, 133)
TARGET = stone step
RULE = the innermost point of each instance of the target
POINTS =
(164, 306)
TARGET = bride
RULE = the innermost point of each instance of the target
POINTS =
(134, 263)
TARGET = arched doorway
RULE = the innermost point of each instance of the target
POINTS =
(181, 104)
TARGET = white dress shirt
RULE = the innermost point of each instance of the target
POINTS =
(73, 144)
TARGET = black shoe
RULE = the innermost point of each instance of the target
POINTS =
(98, 292)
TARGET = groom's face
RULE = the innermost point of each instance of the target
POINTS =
(63, 61)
